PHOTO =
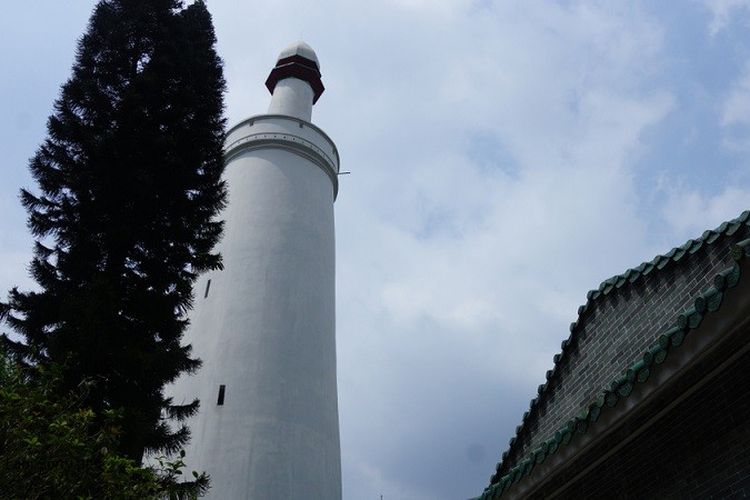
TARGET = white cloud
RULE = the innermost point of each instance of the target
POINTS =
(690, 212)
(722, 11)
(735, 114)
(736, 108)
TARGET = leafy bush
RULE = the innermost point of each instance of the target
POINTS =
(52, 447)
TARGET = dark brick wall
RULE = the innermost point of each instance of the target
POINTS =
(614, 331)
(699, 449)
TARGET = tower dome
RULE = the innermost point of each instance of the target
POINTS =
(299, 48)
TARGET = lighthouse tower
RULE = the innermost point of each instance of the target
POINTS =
(264, 326)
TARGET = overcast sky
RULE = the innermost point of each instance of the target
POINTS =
(506, 157)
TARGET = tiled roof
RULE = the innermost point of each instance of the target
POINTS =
(639, 371)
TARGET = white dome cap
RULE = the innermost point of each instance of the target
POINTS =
(300, 48)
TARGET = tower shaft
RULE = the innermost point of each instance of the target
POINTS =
(292, 97)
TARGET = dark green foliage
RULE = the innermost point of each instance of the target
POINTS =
(129, 183)
(51, 447)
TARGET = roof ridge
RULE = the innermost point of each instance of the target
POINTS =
(727, 228)
(617, 282)
(639, 372)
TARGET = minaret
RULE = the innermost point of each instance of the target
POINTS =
(264, 326)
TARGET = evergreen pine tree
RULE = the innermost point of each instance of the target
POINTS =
(129, 184)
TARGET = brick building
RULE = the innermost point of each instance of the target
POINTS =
(650, 394)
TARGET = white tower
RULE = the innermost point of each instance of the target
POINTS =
(265, 326)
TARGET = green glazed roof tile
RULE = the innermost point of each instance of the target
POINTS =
(566, 436)
(660, 354)
(663, 341)
(643, 374)
(594, 413)
(570, 426)
(632, 372)
(663, 261)
(715, 235)
(543, 446)
(700, 304)
(677, 333)
(720, 281)
(689, 319)
(733, 276)
(552, 445)
(741, 249)
(558, 437)
(584, 414)
(683, 319)
(625, 389)
(733, 227)
(611, 398)
(694, 320)
(599, 401)
(685, 246)
(528, 466)
(616, 383)
(676, 338)
(709, 301)
(648, 358)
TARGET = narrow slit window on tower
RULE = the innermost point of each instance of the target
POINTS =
(208, 285)
(220, 401)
